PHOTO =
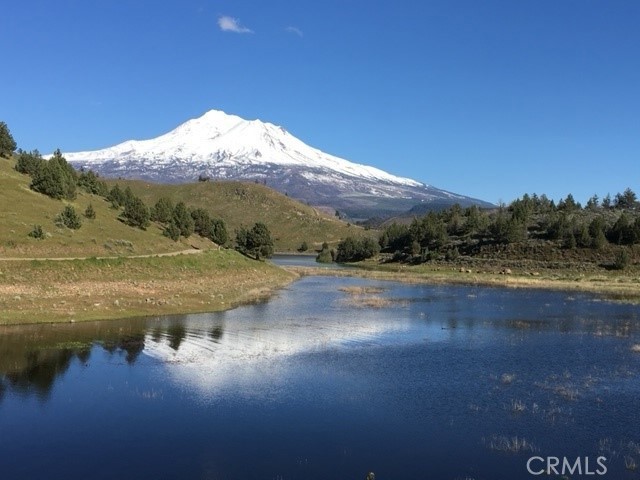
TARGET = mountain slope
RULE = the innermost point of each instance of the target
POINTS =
(242, 204)
(290, 222)
(224, 146)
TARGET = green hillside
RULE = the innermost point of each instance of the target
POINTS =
(243, 204)
(22, 208)
(238, 204)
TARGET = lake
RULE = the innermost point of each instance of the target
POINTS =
(330, 379)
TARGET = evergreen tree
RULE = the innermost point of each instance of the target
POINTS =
(218, 232)
(116, 196)
(136, 213)
(172, 231)
(182, 219)
(596, 232)
(29, 162)
(592, 203)
(91, 183)
(69, 218)
(201, 222)
(583, 238)
(355, 249)
(162, 211)
(260, 241)
(89, 212)
(627, 199)
(622, 231)
(55, 178)
(7, 143)
(256, 243)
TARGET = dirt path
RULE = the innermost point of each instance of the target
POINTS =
(189, 251)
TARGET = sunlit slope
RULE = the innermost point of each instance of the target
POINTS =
(242, 204)
(22, 208)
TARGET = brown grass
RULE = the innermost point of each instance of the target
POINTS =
(63, 291)
(361, 290)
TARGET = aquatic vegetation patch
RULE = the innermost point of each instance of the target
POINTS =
(503, 443)
(362, 290)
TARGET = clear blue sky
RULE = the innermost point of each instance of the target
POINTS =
(486, 98)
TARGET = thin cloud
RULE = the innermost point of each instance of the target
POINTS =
(294, 30)
(230, 24)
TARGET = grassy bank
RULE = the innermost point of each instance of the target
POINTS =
(609, 284)
(42, 291)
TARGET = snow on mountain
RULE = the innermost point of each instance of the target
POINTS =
(223, 146)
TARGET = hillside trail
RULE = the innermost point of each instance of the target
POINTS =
(189, 251)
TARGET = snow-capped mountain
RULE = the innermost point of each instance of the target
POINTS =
(227, 147)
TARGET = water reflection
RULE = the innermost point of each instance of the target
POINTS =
(218, 351)
(307, 384)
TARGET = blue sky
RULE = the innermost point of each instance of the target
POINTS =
(486, 98)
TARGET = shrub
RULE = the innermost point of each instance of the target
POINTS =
(90, 212)
(37, 232)
(622, 260)
(304, 246)
(69, 218)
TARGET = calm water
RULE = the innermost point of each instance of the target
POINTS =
(328, 382)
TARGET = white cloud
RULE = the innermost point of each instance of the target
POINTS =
(294, 30)
(230, 24)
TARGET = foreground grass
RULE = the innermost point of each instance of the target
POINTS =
(41, 291)
(610, 284)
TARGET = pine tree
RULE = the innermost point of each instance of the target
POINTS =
(182, 219)
(162, 211)
(7, 143)
(55, 178)
(136, 213)
(218, 232)
(69, 218)
(29, 162)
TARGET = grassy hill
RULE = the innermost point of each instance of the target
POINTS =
(290, 222)
(76, 290)
(22, 208)
(243, 204)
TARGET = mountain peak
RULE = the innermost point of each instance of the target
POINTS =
(224, 146)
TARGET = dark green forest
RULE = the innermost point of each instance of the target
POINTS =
(532, 226)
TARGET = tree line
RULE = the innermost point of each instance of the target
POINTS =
(448, 233)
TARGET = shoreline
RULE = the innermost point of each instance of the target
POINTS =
(626, 289)
(67, 291)
(58, 291)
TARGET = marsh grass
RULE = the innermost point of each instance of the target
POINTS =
(517, 406)
(503, 443)
(630, 463)
(362, 290)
